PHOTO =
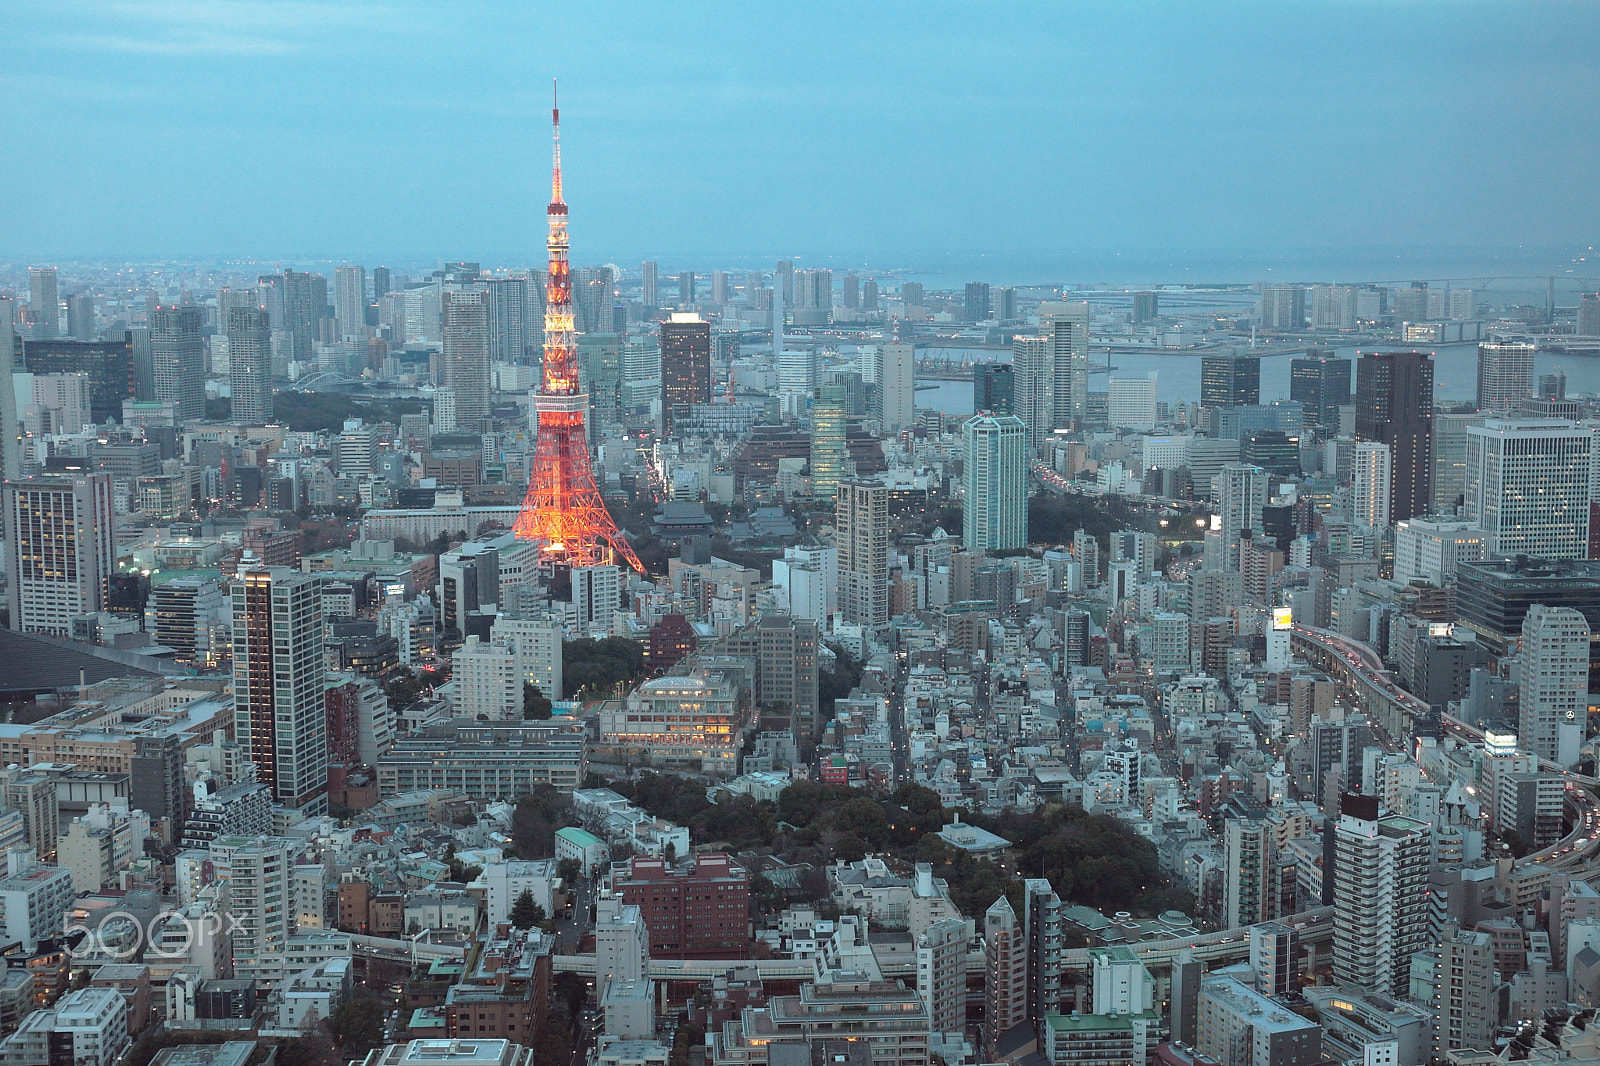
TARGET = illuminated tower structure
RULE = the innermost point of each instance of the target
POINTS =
(563, 509)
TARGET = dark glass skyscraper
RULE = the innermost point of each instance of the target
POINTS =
(1394, 406)
(1230, 380)
(1321, 381)
(976, 304)
(993, 388)
(685, 366)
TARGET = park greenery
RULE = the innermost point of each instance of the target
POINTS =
(597, 669)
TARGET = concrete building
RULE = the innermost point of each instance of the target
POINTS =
(1505, 376)
(995, 508)
(942, 973)
(684, 722)
(1380, 890)
(701, 913)
(536, 643)
(1238, 1026)
(280, 712)
(60, 552)
(1464, 998)
(1527, 486)
(487, 681)
(1428, 549)
(861, 525)
(1553, 674)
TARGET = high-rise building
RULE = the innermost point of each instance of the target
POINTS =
(278, 683)
(1380, 896)
(1527, 486)
(1394, 405)
(685, 366)
(44, 302)
(305, 304)
(1065, 328)
(976, 304)
(829, 414)
(1553, 680)
(942, 972)
(249, 365)
(1131, 402)
(487, 681)
(1429, 549)
(647, 285)
(911, 293)
(1247, 893)
(1320, 381)
(869, 295)
(60, 550)
(509, 334)
(260, 875)
(1505, 376)
(686, 289)
(1146, 307)
(1370, 488)
(1041, 931)
(995, 511)
(1035, 387)
(720, 289)
(1588, 324)
(897, 385)
(1283, 307)
(380, 282)
(1464, 997)
(350, 300)
(465, 358)
(179, 353)
(10, 449)
(1005, 991)
(1003, 303)
(1230, 380)
(861, 527)
(1450, 458)
(1241, 493)
(80, 317)
(993, 388)
(537, 644)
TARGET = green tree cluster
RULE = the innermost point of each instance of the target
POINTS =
(594, 668)
(535, 706)
(536, 818)
(526, 912)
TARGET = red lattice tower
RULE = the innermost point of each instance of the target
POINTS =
(563, 509)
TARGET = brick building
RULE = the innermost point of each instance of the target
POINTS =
(700, 915)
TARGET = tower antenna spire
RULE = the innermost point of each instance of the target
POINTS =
(555, 126)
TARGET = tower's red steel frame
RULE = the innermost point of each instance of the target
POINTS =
(563, 509)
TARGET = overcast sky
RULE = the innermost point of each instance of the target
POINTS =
(362, 129)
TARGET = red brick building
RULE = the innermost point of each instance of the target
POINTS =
(699, 915)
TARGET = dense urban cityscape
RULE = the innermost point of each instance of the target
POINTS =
(691, 663)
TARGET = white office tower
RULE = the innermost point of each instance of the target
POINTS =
(1371, 477)
(444, 412)
(10, 456)
(596, 593)
(995, 511)
(809, 581)
(1505, 376)
(1380, 896)
(621, 943)
(278, 683)
(1527, 486)
(1122, 985)
(1131, 402)
(896, 385)
(861, 534)
(1241, 493)
(1428, 549)
(942, 972)
(1033, 387)
(1065, 328)
(60, 551)
(536, 643)
(1553, 671)
(797, 369)
(487, 681)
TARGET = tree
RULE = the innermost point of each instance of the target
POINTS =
(357, 1025)
(571, 989)
(525, 912)
(534, 705)
(569, 869)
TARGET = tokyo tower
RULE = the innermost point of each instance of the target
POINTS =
(563, 509)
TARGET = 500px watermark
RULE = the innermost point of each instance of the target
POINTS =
(120, 935)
